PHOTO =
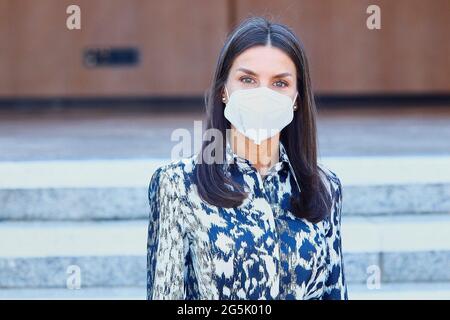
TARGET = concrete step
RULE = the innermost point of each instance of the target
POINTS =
(392, 291)
(404, 248)
(117, 189)
(113, 253)
(104, 293)
(401, 291)
(75, 190)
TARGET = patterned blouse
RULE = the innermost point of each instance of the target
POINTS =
(258, 250)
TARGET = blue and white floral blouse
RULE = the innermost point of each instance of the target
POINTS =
(258, 250)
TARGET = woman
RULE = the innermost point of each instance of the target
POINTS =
(253, 215)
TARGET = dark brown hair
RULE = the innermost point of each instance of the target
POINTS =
(299, 137)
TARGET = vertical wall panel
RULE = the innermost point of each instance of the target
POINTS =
(179, 42)
(411, 52)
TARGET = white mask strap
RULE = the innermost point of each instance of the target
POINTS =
(296, 94)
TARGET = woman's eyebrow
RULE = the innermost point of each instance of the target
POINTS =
(247, 71)
(284, 74)
(281, 75)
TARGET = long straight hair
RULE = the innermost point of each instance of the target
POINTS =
(299, 137)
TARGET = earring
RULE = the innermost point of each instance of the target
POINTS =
(295, 107)
(223, 99)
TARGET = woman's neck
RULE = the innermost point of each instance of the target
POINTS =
(262, 156)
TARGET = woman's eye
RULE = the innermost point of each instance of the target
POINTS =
(246, 80)
(281, 84)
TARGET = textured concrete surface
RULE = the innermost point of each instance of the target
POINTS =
(360, 235)
(91, 133)
(95, 271)
(117, 189)
(353, 171)
(96, 164)
(105, 293)
(401, 291)
(132, 203)
(37, 254)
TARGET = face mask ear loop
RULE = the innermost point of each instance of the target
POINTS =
(295, 98)
(289, 163)
(226, 91)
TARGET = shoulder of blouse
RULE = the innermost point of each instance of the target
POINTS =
(176, 173)
(329, 177)
(171, 179)
(334, 187)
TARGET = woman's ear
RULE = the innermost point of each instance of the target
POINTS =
(225, 94)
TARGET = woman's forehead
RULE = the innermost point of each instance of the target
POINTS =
(264, 60)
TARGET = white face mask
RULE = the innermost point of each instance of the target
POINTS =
(259, 113)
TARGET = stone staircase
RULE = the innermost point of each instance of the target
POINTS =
(92, 214)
